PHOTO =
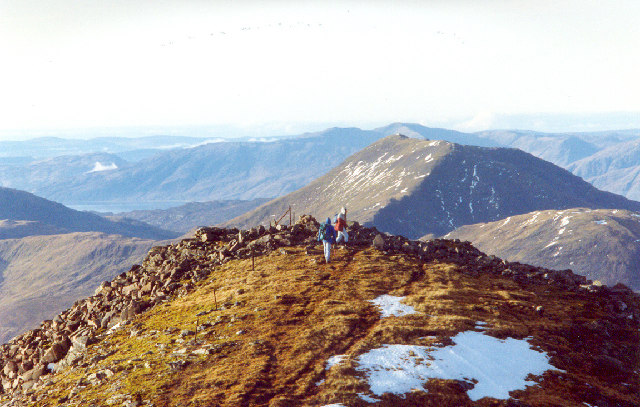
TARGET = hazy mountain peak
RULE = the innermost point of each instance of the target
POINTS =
(414, 187)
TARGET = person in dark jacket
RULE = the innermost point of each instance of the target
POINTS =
(327, 235)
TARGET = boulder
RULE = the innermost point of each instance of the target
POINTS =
(10, 367)
(379, 242)
(57, 351)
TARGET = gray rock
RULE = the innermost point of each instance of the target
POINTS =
(379, 242)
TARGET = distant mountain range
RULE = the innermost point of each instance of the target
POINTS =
(24, 214)
(600, 244)
(201, 169)
(187, 217)
(130, 148)
(615, 169)
(415, 187)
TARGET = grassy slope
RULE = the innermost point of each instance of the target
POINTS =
(274, 329)
(43, 275)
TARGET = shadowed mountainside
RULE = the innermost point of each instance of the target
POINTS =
(599, 244)
(415, 187)
(18, 205)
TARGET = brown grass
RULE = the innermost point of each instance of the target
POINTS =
(295, 313)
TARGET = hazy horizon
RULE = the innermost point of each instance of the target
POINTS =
(282, 68)
(542, 123)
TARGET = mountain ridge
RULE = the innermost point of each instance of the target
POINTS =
(16, 205)
(599, 244)
(253, 318)
(189, 170)
(452, 184)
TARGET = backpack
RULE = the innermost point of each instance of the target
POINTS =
(322, 232)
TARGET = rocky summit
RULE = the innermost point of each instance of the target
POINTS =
(257, 318)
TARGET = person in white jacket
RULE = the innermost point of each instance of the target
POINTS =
(341, 226)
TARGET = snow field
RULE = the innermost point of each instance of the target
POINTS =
(499, 366)
(390, 306)
(494, 366)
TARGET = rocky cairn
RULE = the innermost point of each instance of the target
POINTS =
(167, 272)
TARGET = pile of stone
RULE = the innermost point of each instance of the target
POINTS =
(173, 271)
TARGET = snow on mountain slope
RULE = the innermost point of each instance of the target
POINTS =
(414, 187)
(602, 244)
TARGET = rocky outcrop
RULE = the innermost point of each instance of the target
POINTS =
(173, 271)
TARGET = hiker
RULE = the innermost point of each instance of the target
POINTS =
(341, 226)
(327, 235)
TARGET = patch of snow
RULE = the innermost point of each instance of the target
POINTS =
(368, 398)
(533, 219)
(422, 176)
(113, 328)
(428, 158)
(390, 306)
(392, 159)
(475, 179)
(434, 143)
(555, 241)
(506, 221)
(99, 167)
(493, 200)
(498, 366)
(334, 360)
(404, 191)
(601, 222)
(210, 141)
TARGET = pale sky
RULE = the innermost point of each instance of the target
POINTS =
(291, 65)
